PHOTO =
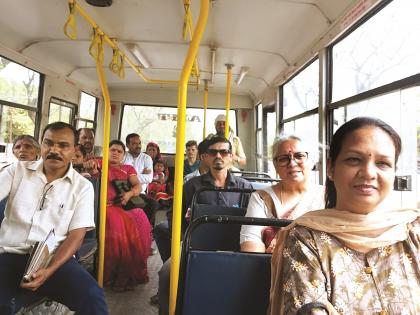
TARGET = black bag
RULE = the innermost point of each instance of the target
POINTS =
(122, 186)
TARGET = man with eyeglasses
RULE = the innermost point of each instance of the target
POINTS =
(44, 195)
(218, 157)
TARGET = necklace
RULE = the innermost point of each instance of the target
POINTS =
(288, 211)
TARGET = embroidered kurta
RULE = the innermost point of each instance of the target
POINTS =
(318, 268)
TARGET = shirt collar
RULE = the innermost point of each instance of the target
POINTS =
(37, 166)
(208, 179)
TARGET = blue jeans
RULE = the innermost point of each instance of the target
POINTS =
(70, 285)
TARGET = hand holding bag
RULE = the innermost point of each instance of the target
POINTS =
(122, 186)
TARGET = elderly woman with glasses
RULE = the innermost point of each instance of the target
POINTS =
(293, 196)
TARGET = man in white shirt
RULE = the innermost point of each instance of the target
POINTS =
(43, 195)
(143, 165)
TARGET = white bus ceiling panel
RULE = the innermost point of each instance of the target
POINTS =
(268, 36)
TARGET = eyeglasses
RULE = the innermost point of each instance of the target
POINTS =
(298, 157)
(42, 204)
(223, 152)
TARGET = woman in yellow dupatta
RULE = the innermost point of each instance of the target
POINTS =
(357, 256)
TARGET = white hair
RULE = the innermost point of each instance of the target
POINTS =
(311, 148)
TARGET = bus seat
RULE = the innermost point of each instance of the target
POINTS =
(261, 185)
(90, 242)
(214, 236)
(224, 282)
(227, 283)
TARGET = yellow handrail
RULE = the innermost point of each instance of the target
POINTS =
(112, 43)
(104, 178)
(206, 97)
(179, 158)
(229, 79)
(187, 30)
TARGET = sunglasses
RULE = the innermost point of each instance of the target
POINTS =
(223, 152)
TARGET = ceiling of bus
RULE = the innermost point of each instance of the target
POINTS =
(268, 36)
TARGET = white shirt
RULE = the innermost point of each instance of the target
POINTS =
(313, 199)
(139, 163)
(191, 175)
(29, 217)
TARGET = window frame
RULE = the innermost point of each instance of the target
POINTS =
(38, 108)
(78, 118)
(168, 106)
(63, 103)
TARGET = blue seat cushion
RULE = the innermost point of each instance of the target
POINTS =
(226, 283)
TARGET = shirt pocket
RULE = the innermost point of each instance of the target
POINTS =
(63, 224)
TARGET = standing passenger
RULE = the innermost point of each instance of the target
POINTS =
(44, 195)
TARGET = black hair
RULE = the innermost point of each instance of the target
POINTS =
(59, 125)
(79, 131)
(337, 142)
(117, 142)
(217, 139)
(129, 136)
(202, 146)
(82, 150)
(191, 143)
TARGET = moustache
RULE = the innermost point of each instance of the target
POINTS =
(54, 157)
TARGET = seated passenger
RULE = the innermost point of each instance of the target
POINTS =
(218, 157)
(361, 255)
(191, 163)
(153, 150)
(289, 199)
(44, 195)
(79, 165)
(157, 189)
(203, 167)
(143, 165)
(128, 239)
(26, 148)
(238, 153)
(87, 140)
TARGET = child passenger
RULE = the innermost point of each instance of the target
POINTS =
(157, 189)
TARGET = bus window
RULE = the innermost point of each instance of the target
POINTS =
(87, 111)
(158, 124)
(61, 111)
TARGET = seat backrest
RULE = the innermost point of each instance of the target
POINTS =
(261, 185)
(215, 236)
(226, 283)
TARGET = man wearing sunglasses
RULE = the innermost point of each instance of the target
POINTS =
(238, 156)
(218, 157)
(44, 195)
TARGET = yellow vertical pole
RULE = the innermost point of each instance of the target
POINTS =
(206, 98)
(104, 177)
(228, 81)
(179, 158)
